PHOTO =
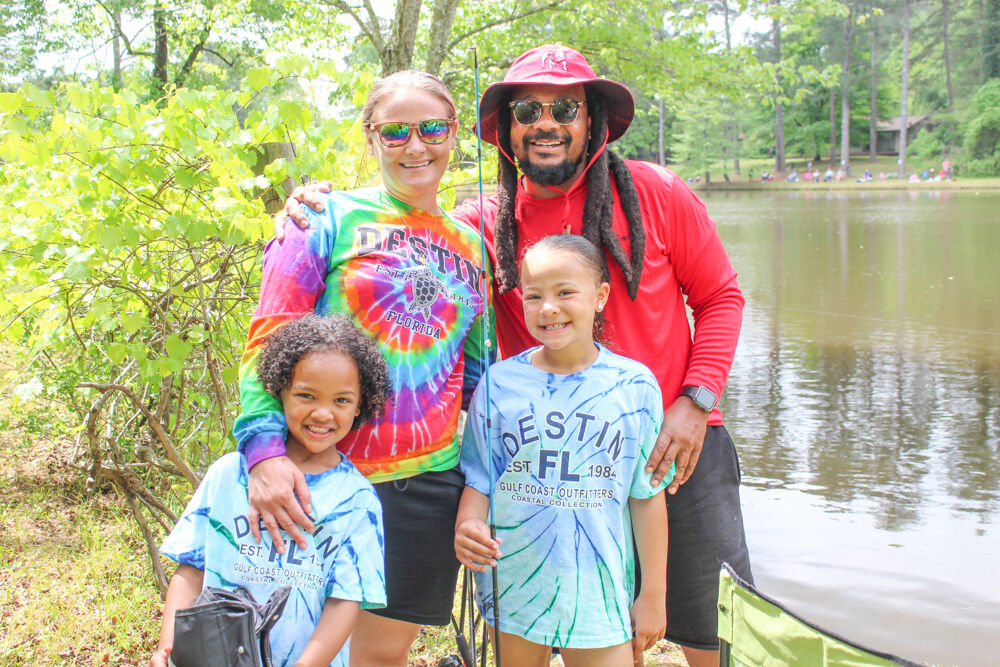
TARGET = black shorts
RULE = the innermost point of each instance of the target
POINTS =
(705, 530)
(421, 570)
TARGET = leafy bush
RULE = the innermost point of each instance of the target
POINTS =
(925, 149)
(130, 242)
(982, 131)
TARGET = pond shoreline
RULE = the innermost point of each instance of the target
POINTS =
(966, 184)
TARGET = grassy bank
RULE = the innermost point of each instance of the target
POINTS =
(751, 171)
(969, 184)
(75, 583)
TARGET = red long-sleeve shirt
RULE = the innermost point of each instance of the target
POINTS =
(684, 257)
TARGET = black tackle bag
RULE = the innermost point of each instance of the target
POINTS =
(226, 628)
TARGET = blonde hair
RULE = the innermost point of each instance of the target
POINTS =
(407, 78)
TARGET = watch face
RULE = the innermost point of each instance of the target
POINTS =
(704, 399)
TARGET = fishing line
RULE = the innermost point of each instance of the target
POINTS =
(487, 347)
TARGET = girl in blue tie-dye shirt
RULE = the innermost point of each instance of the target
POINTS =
(330, 378)
(558, 445)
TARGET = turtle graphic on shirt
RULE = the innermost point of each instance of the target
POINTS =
(426, 287)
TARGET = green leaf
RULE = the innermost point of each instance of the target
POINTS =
(10, 102)
(131, 322)
(231, 373)
(15, 331)
(258, 77)
(109, 237)
(77, 272)
(292, 64)
(177, 349)
(117, 352)
(186, 178)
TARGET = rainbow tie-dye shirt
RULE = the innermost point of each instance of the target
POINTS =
(412, 281)
(566, 452)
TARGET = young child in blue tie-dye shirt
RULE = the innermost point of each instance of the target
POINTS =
(558, 442)
(330, 379)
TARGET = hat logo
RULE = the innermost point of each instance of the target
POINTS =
(554, 60)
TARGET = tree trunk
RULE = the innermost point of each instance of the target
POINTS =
(398, 53)
(663, 156)
(779, 111)
(947, 55)
(833, 124)
(733, 127)
(845, 94)
(160, 45)
(991, 40)
(904, 91)
(441, 22)
(116, 47)
(873, 102)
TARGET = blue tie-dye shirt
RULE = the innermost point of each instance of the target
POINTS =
(567, 453)
(344, 559)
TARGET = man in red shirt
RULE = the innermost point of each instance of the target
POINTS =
(552, 118)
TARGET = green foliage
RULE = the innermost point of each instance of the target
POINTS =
(22, 24)
(925, 149)
(129, 258)
(982, 131)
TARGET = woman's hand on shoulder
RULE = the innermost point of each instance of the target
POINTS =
(279, 496)
(474, 547)
(309, 195)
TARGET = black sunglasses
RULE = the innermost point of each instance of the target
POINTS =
(396, 133)
(528, 112)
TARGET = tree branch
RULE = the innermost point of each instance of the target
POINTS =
(371, 28)
(501, 21)
(195, 52)
(156, 427)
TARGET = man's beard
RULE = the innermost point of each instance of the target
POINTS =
(556, 174)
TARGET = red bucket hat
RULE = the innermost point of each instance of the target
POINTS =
(557, 66)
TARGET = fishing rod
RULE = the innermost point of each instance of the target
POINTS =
(487, 345)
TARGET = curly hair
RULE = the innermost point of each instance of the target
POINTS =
(597, 211)
(286, 346)
(586, 253)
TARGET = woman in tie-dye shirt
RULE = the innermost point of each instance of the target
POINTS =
(412, 277)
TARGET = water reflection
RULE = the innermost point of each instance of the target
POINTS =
(866, 385)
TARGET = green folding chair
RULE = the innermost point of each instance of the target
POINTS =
(756, 631)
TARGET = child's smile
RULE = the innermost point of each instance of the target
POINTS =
(561, 299)
(320, 405)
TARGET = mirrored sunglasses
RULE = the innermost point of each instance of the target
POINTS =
(396, 133)
(563, 111)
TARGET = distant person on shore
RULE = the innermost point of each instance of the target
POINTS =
(793, 177)
(828, 175)
(946, 165)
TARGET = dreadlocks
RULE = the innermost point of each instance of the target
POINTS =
(597, 210)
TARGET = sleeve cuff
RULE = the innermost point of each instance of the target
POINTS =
(263, 446)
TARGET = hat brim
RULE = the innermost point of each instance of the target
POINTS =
(617, 98)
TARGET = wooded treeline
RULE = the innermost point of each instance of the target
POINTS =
(725, 79)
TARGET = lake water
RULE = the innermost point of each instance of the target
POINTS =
(865, 403)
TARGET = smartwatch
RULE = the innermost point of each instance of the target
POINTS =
(703, 397)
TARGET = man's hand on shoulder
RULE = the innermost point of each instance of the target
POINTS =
(309, 195)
